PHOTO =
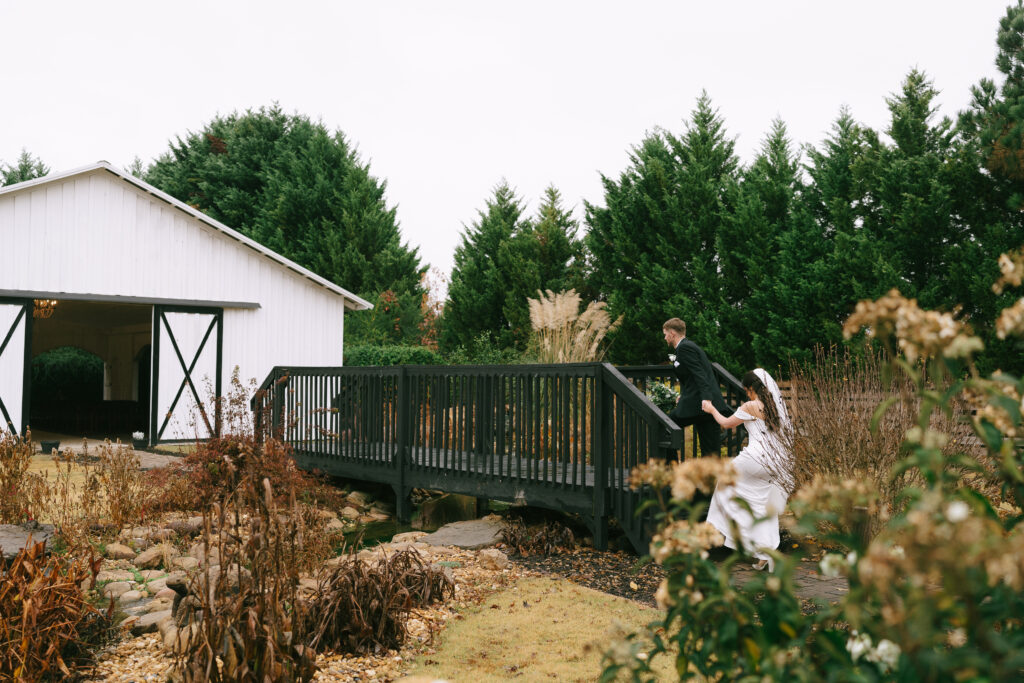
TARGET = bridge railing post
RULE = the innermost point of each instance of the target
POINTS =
(403, 417)
(277, 426)
(601, 433)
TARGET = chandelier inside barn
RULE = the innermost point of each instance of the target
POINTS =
(44, 308)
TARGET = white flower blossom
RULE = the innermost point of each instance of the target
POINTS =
(886, 653)
(957, 511)
(832, 565)
(898, 552)
(851, 558)
(858, 645)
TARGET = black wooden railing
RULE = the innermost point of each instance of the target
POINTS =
(732, 391)
(559, 436)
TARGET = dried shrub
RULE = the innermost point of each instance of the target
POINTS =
(362, 606)
(22, 493)
(122, 483)
(47, 628)
(73, 507)
(201, 476)
(249, 625)
(833, 402)
(550, 538)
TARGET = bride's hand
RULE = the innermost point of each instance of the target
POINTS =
(706, 406)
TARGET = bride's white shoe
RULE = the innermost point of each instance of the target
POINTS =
(760, 565)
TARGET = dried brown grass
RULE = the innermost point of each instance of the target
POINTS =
(833, 401)
(363, 607)
(562, 333)
(22, 493)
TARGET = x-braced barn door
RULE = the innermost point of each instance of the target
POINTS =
(15, 363)
(187, 344)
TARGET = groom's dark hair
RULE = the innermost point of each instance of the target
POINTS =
(676, 325)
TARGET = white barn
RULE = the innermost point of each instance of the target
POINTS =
(170, 299)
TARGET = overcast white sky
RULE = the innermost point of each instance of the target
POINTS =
(446, 98)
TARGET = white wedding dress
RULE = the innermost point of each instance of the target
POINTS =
(758, 526)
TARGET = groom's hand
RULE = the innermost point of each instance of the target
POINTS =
(706, 406)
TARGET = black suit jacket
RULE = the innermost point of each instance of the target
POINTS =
(696, 382)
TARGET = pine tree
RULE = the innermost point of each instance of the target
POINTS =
(748, 244)
(544, 254)
(25, 168)
(299, 189)
(480, 279)
(653, 246)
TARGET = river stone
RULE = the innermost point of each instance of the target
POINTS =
(350, 513)
(408, 537)
(148, 574)
(116, 589)
(334, 526)
(154, 557)
(492, 559)
(472, 534)
(14, 537)
(360, 498)
(160, 605)
(187, 563)
(117, 551)
(115, 575)
(147, 623)
(130, 596)
(156, 585)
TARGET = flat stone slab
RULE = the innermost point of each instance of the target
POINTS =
(14, 537)
(472, 534)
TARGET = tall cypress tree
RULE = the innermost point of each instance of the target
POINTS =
(748, 244)
(480, 279)
(543, 254)
(653, 245)
(299, 189)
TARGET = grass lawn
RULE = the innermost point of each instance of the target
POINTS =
(536, 630)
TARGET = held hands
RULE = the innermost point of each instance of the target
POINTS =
(706, 406)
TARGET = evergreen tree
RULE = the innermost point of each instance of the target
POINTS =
(299, 189)
(25, 168)
(544, 254)
(823, 264)
(653, 246)
(748, 244)
(480, 280)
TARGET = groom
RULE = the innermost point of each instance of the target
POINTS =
(696, 383)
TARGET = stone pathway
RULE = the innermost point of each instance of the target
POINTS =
(809, 584)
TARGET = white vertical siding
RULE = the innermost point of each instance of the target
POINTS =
(95, 233)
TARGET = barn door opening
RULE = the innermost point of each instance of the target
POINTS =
(186, 368)
(15, 361)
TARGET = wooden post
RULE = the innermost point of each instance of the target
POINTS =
(402, 414)
(600, 438)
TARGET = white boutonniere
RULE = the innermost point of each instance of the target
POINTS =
(672, 357)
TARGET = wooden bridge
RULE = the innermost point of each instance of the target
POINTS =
(563, 437)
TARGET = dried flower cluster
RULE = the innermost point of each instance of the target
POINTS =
(562, 334)
(684, 537)
(685, 478)
(850, 503)
(919, 333)
(1011, 268)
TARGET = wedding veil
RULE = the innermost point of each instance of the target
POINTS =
(780, 453)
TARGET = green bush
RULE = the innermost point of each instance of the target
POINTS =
(68, 374)
(373, 354)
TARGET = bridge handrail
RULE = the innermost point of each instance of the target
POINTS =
(639, 401)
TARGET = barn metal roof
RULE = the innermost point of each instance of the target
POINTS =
(352, 302)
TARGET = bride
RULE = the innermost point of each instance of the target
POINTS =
(759, 467)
